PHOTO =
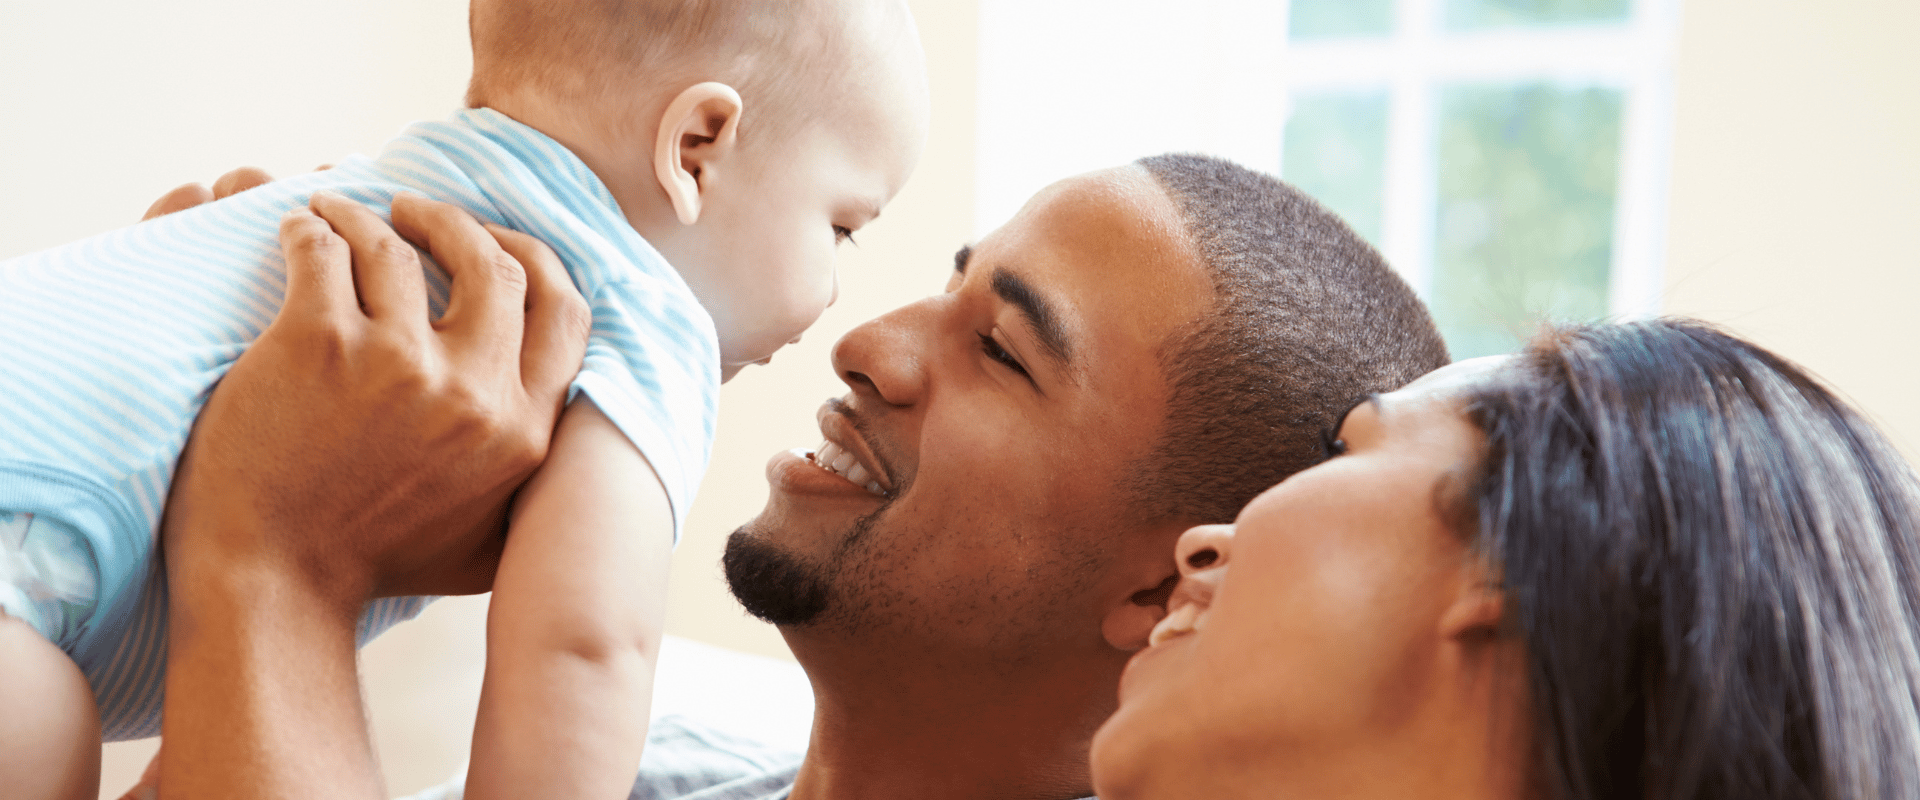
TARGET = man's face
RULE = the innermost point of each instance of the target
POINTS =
(990, 432)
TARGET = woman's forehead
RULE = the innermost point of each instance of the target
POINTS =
(1452, 379)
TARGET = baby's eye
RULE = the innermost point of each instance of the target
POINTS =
(842, 233)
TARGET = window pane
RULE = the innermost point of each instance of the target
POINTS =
(1465, 15)
(1323, 19)
(1336, 150)
(1524, 223)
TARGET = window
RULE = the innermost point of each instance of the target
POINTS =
(1508, 156)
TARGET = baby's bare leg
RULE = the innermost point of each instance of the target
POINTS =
(49, 729)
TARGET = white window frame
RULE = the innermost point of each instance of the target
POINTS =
(1420, 56)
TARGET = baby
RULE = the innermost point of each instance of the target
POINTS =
(694, 163)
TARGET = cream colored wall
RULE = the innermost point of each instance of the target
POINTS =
(104, 106)
(1795, 201)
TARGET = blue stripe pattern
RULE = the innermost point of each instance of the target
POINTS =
(109, 346)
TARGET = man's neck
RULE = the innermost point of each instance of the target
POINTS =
(947, 729)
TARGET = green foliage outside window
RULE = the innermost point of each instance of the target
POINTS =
(1327, 19)
(1336, 150)
(1524, 219)
(1467, 15)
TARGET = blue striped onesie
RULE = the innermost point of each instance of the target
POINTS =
(109, 346)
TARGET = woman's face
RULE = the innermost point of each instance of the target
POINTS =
(1318, 622)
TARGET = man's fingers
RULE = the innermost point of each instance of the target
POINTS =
(558, 318)
(319, 268)
(385, 268)
(488, 287)
(194, 194)
(239, 181)
(179, 199)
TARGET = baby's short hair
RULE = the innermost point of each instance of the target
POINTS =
(609, 55)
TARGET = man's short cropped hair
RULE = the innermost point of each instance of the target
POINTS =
(1307, 320)
(602, 55)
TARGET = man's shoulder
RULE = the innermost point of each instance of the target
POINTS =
(686, 760)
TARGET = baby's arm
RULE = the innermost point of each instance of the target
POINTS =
(575, 623)
(47, 718)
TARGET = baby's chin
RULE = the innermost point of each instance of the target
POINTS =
(728, 369)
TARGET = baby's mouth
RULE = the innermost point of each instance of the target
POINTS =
(839, 461)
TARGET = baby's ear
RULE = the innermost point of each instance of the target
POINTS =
(698, 131)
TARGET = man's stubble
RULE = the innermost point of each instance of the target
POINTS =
(779, 587)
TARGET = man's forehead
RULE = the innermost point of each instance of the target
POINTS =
(1116, 221)
(1112, 249)
(1123, 200)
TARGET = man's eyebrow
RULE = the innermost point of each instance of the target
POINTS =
(1041, 317)
(960, 258)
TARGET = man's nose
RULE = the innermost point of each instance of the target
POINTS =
(886, 357)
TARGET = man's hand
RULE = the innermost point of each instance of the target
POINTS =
(192, 194)
(355, 449)
(358, 444)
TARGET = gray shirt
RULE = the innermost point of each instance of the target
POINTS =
(688, 761)
(685, 760)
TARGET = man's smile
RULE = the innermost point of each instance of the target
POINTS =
(844, 451)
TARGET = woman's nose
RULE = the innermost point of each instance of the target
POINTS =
(1202, 553)
(1203, 548)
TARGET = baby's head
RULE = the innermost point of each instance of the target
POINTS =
(745, 139)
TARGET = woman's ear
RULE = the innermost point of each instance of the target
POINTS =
(1479, 608)
(698, 130)
(1128, 624)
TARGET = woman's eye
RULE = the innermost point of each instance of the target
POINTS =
(842, 233)
(1335, 446)
(994, 351)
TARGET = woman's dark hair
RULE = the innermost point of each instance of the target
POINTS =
(1711, 561)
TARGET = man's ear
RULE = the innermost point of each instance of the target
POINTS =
(698, 130)
(1129, 623)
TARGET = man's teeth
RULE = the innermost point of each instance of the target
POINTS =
(835, 459)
